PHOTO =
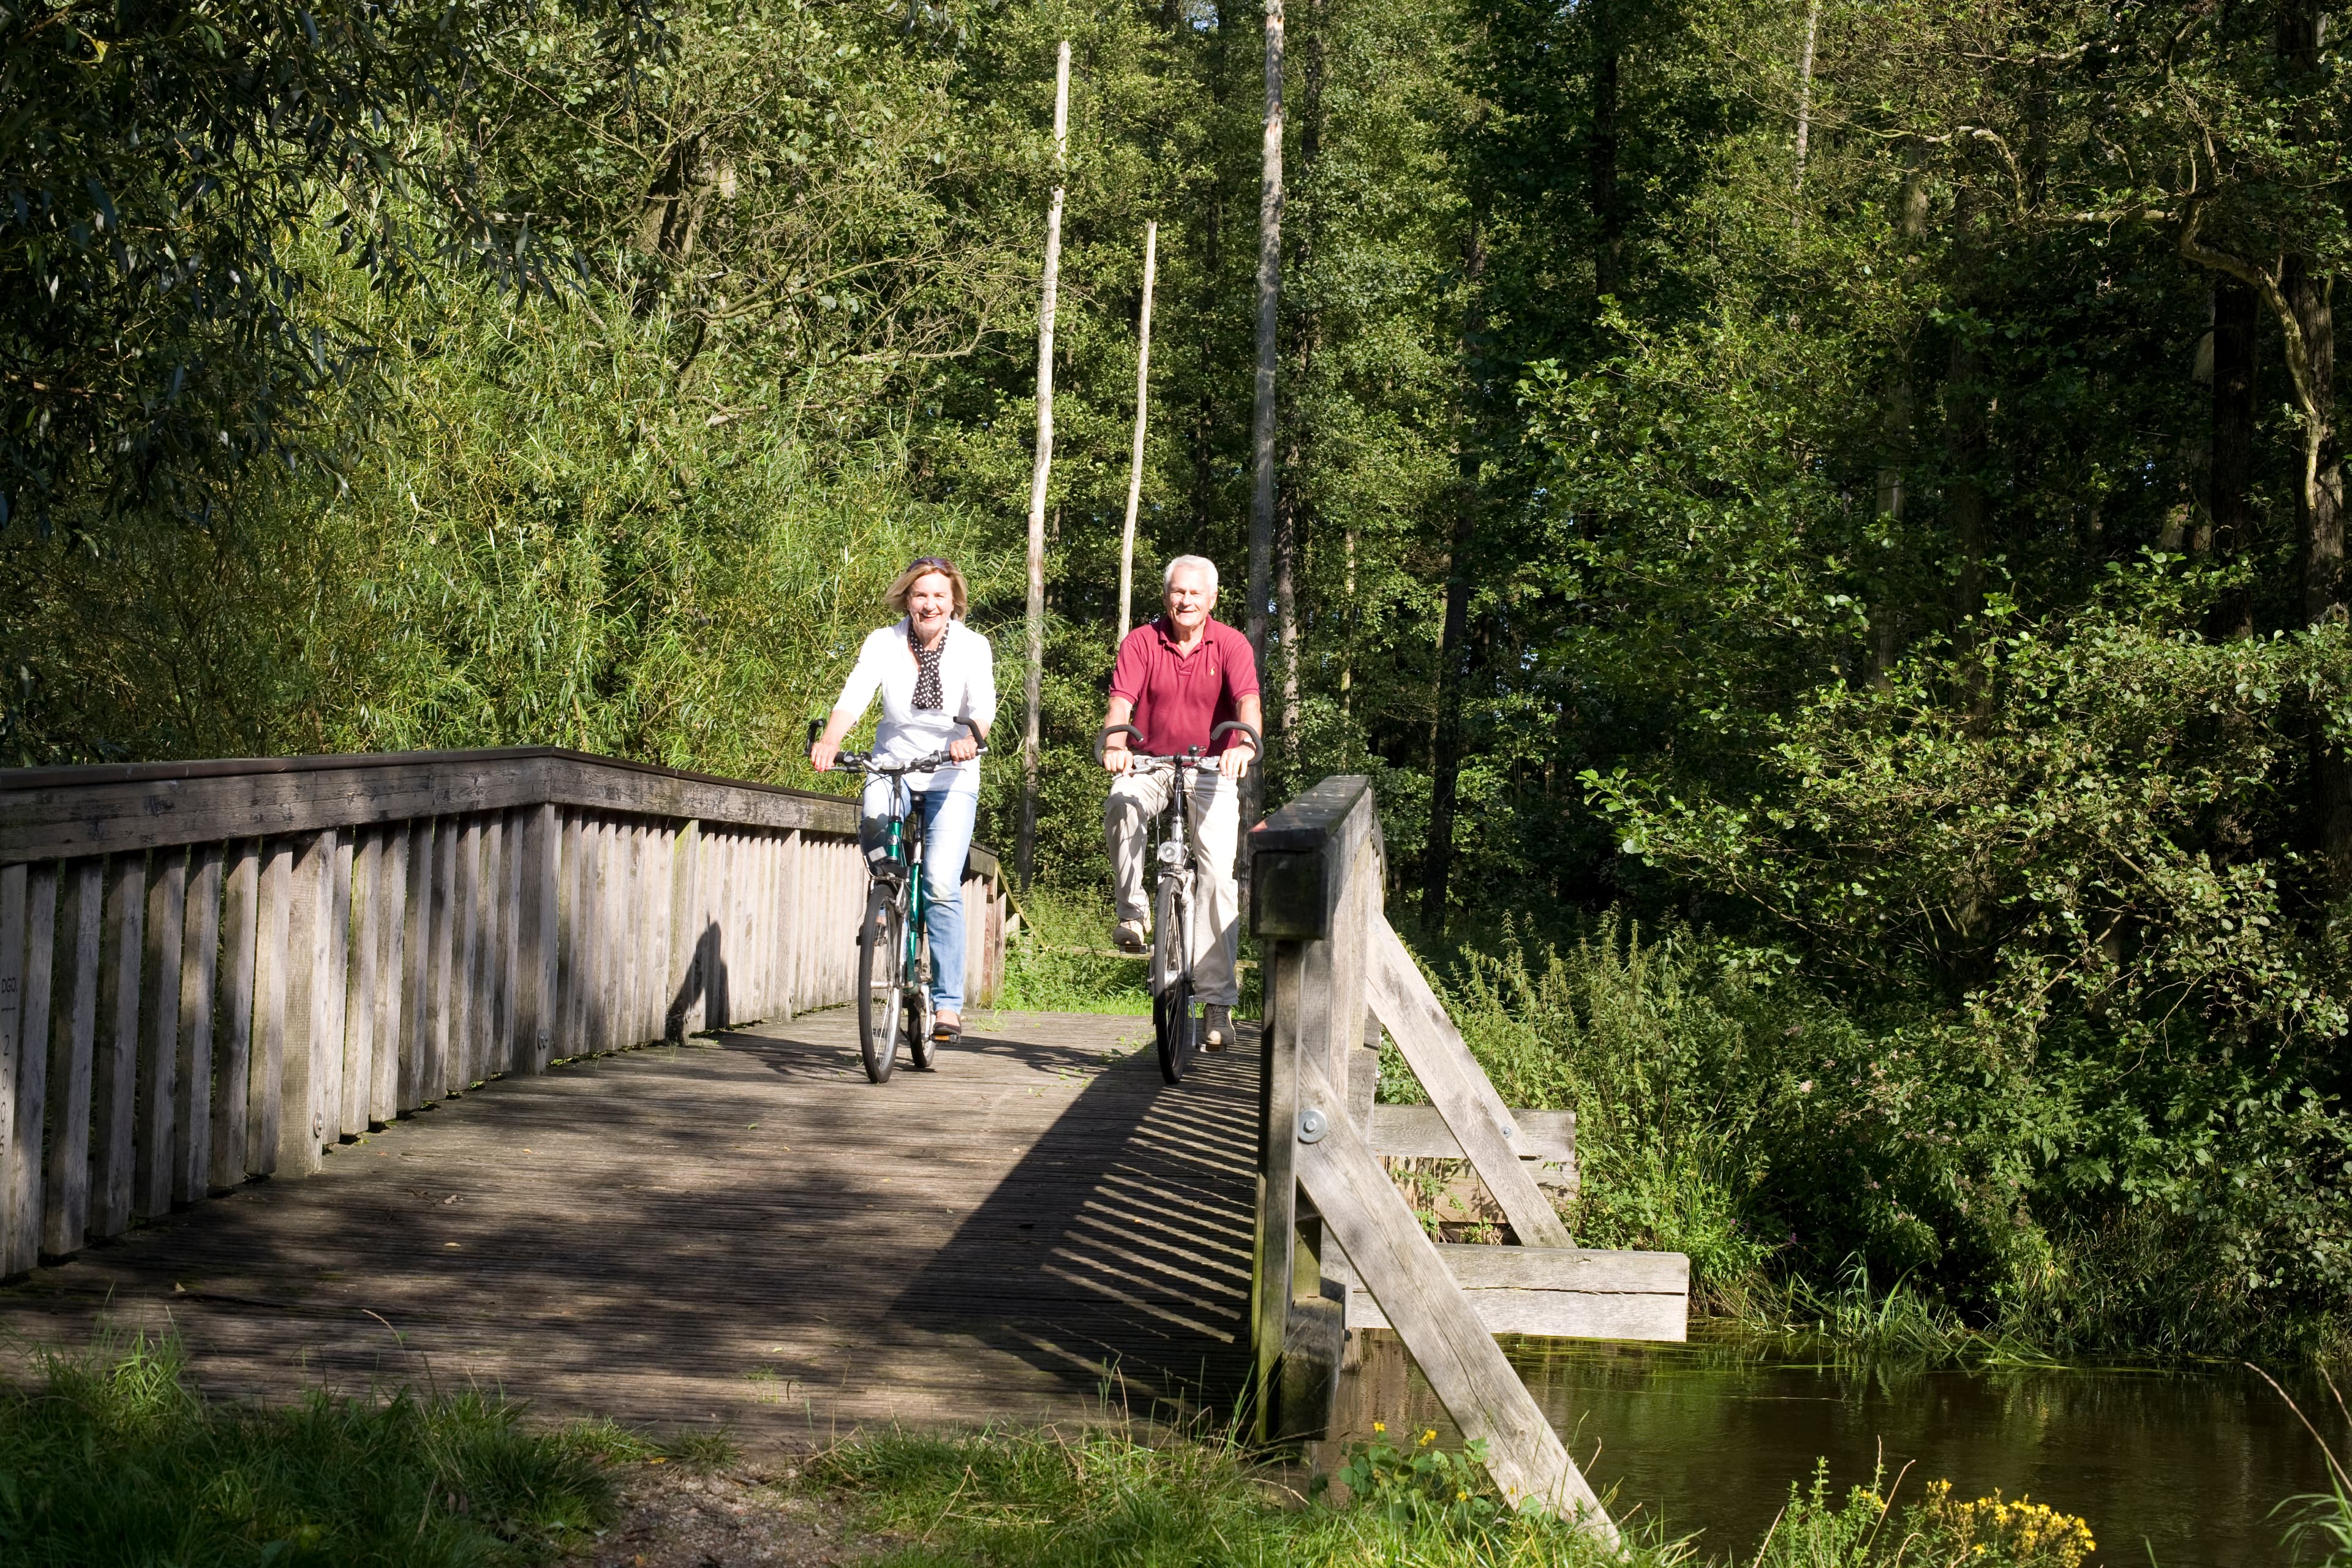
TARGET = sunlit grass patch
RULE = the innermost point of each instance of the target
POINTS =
(113, 1456)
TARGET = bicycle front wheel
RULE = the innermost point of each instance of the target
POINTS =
(882, 989)
(1175, 1023)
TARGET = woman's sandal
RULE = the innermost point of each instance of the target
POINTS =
(946, 1034)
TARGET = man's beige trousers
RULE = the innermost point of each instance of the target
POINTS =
(1215, 828)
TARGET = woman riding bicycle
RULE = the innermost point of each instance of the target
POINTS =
(937, 681)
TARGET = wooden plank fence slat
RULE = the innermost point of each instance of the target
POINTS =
(363, 1004)
(416, 966)
(489, 971)
(330, 1041)
(73, 1036)
(199, 978)
(13, 1055)
(685, 931)
(233, 1057)
(389, 901)
(512, 1051)
(571, 938)
(538, 945)
(274, 963)
(310, 906)
(440, 997)
(158, 1090)
(114, 1069)
(465, 959)
(20, 1155)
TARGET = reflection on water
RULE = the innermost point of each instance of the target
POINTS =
(2185, 1465)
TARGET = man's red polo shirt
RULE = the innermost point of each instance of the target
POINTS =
(1178, 698)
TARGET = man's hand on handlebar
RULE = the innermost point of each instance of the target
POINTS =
(1116, 757)
(1234, 761)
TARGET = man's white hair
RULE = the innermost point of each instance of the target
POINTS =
(1199, 563)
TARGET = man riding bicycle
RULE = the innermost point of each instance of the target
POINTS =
(1178, 677)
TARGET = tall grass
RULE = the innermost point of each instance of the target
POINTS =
(111, 1456)
(1061, 960)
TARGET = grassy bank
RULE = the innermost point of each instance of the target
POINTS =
(113, 1456)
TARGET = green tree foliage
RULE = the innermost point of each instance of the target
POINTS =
(1859, 482)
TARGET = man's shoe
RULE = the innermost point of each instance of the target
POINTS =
(1219, 1031)
(1129, 936)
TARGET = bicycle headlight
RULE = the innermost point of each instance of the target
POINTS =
(1172, 854)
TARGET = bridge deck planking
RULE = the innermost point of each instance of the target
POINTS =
(741, 1230)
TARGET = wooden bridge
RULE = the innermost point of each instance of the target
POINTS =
(554, 1042)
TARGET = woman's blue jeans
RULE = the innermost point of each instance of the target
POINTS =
(948, 817)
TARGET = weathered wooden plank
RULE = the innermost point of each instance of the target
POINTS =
(513, 1052)
(1418, 1132)
(363, 1003)
(394, 919)
(420, 974)
(1364, 1212)
(628, 962)
(13, 1056)
(63, 812)
(199, 976)
(157, 1102)
(1458, 1087)
(114, 1070)
(327, 1039)
(489, 1017)
(467, 896)
(232, 1057)
(309, 910)
(661, 927)
(274, 963)
(73, 1038)
(538, 940)
(1564, 1293)
(611, 935)
(570, 915)
(682, 1013)
(1273, 1285)
(27, 1069)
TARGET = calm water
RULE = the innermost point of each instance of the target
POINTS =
(2182, 1465)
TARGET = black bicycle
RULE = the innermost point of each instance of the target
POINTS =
(1178, 1020)
(894, 941)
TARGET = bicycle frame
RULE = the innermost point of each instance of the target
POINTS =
(906, 851)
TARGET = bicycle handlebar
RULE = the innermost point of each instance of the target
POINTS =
(864, 763)
(1102, 743)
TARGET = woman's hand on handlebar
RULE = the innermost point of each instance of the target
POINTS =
(963, 748)
(822, 752)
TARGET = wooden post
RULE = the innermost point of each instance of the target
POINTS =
(1142, 399)
(191, 1139)
(240, 946)
(1262, 406)
(1036, 670)
(73, 1035)
(158, 1098)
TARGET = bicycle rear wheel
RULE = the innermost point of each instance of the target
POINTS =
(1175, 1021)
(881, 991)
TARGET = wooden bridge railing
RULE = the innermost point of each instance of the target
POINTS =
(1329, 1220)
(212, 971)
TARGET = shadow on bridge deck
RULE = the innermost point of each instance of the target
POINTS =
(741, 1230)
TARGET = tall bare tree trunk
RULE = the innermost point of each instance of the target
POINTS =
(1454, 652)
(1602, 154)
(1805, 102)
(1262, 407)
(1034, 677)
(1291, 509)
(1142, 398)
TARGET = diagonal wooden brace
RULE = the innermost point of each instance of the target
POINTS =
(1362, 1210)
(1474, 1112)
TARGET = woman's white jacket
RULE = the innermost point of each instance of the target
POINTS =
(967, 698)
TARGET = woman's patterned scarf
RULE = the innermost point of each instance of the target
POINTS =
(927, 671)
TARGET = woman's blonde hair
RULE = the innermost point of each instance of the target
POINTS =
(922, 567)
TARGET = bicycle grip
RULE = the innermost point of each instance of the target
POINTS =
(1257, 740)
(1102, 742)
